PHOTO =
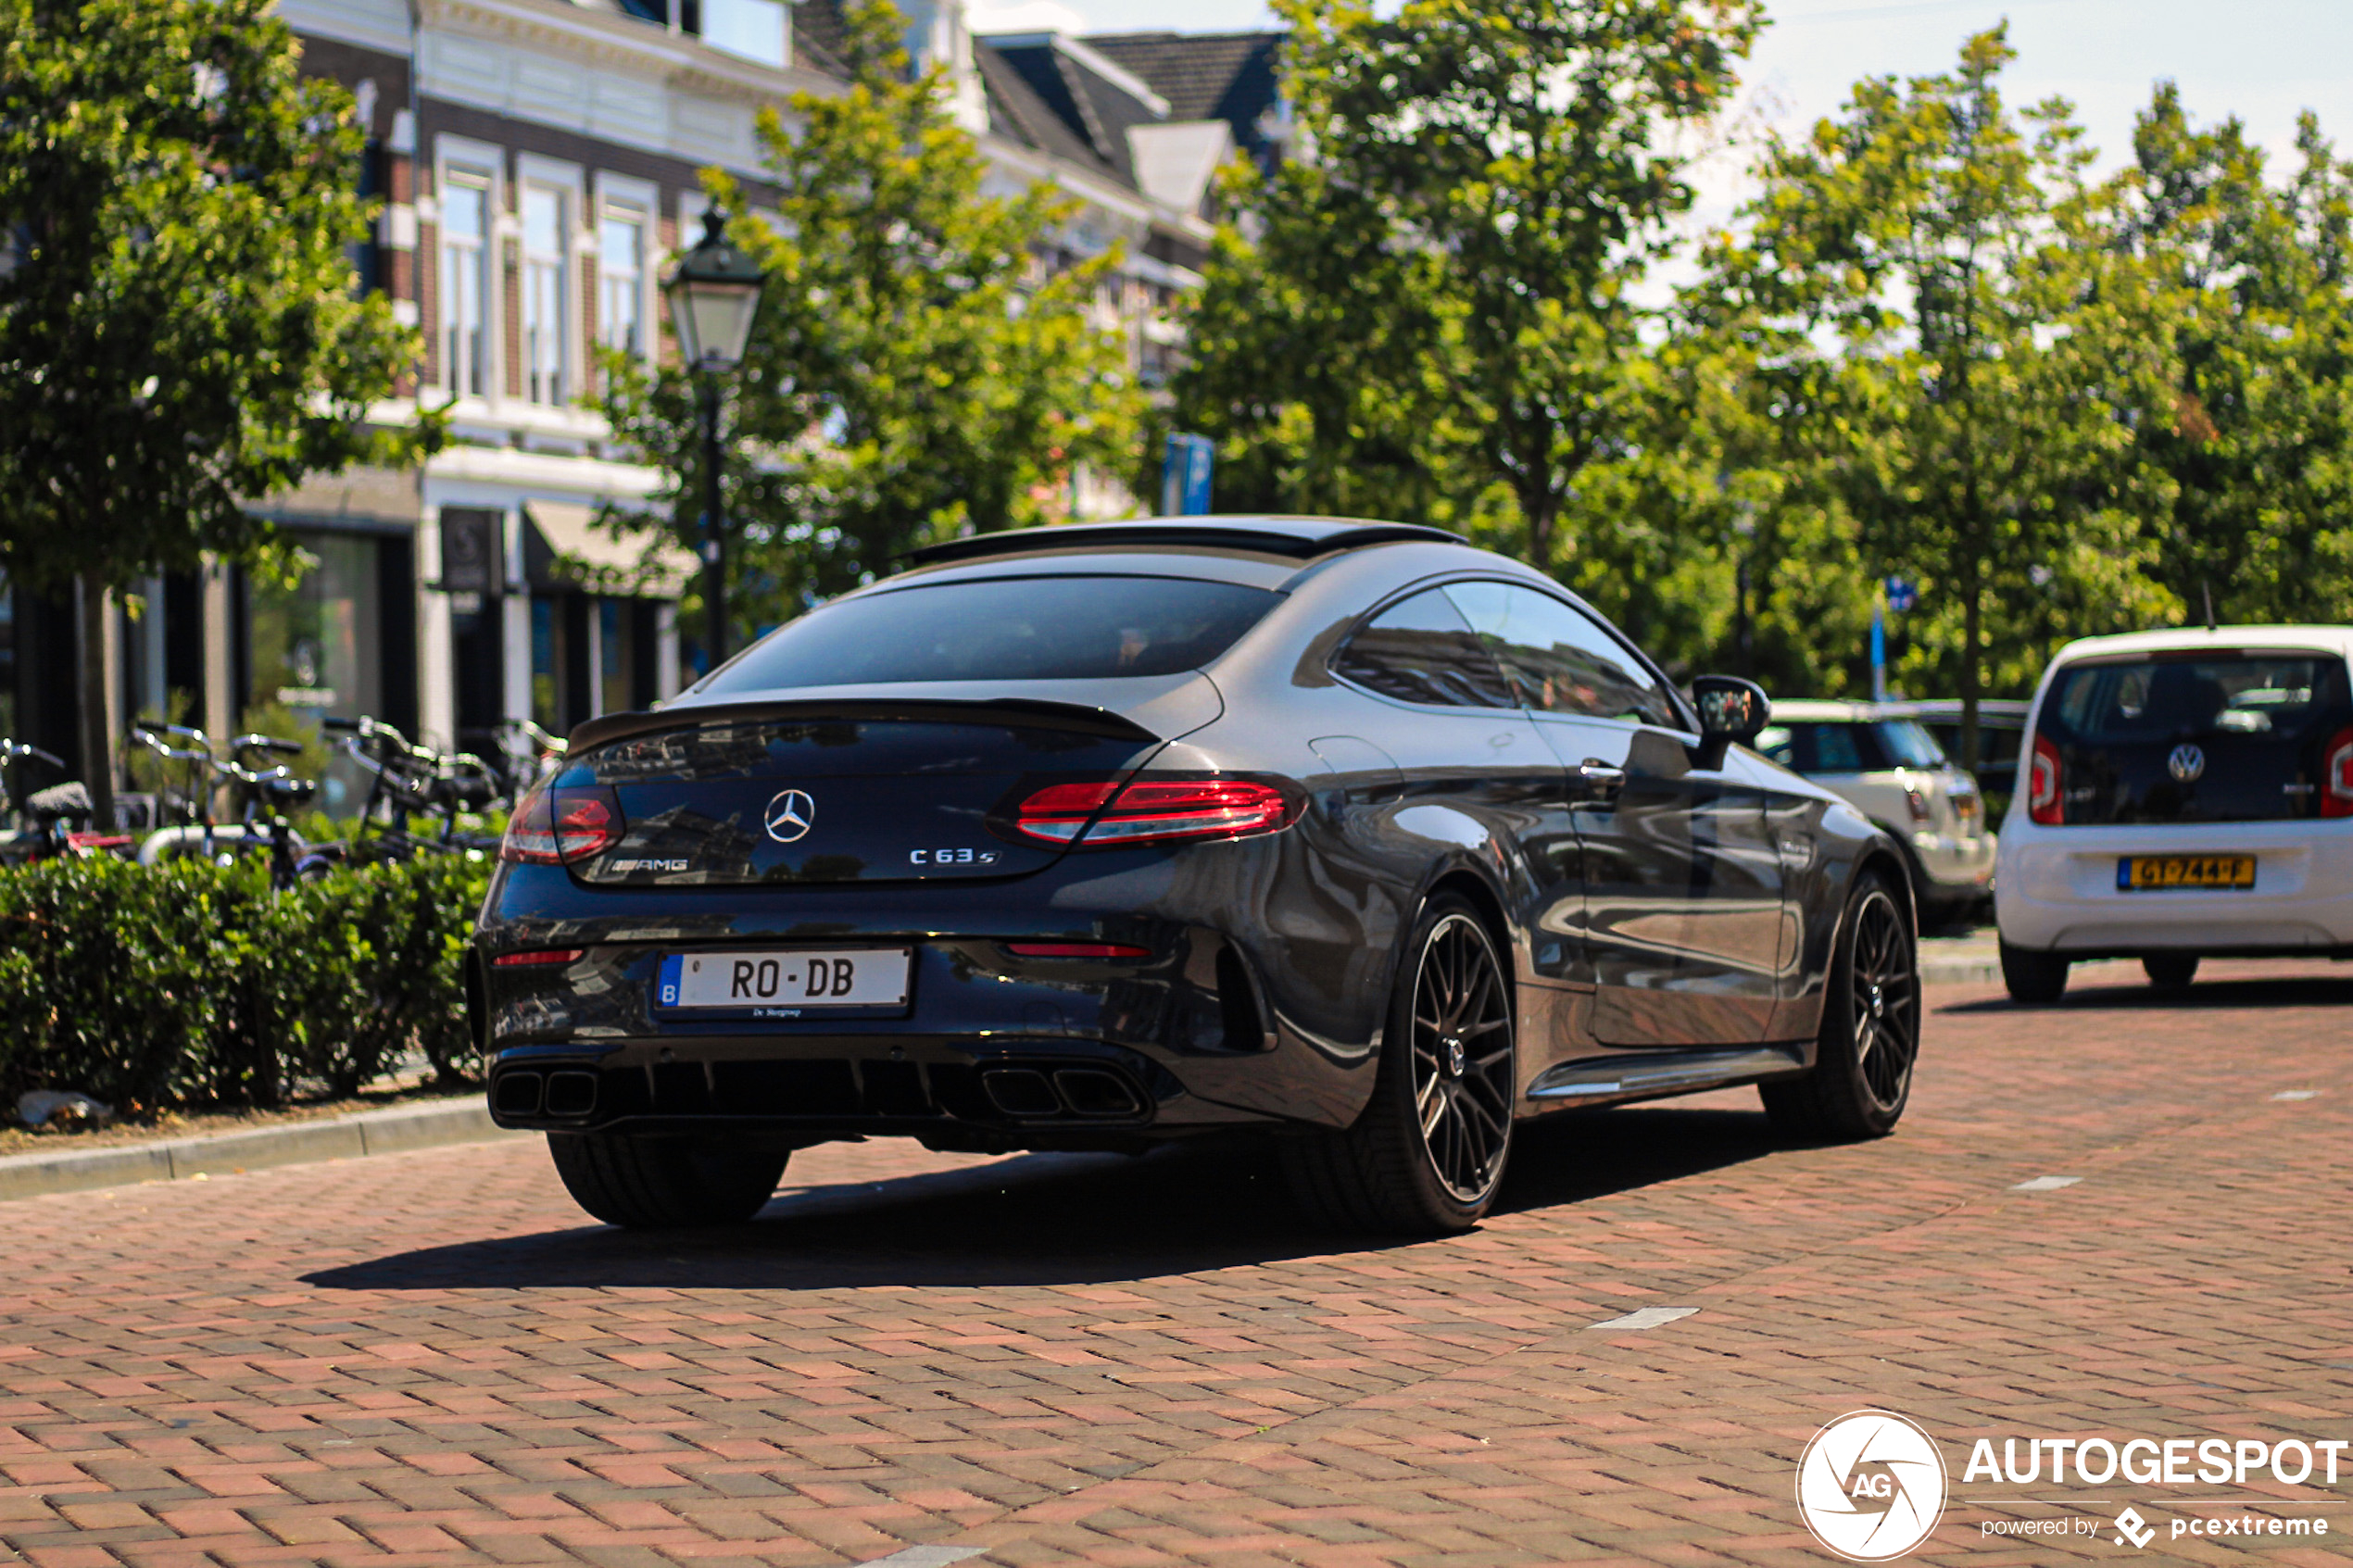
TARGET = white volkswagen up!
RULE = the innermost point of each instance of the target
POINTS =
(2182, 794)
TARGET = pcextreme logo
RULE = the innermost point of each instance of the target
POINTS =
(1870, 1485)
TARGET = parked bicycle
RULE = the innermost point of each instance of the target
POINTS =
(408, 781)
(47, 823)
(261, 798)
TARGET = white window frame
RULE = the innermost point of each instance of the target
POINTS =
(639, 200)
(473, 166)
(551, 349)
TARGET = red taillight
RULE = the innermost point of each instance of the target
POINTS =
(1076, 951)
(2336, 777)
(1150, 811)
(544, 956)
(556, 825)
(2044, 776)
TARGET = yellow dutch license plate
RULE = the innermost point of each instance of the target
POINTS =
(2142, 873)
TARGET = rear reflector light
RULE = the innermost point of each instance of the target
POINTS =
(1149, 810)
(1916, 803)
(2043, 777)
(1076, 951)
(556, 825)
(2336, 777)
(544, 956)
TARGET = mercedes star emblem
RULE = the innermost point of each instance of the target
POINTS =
(2186, 763)
(789, 816)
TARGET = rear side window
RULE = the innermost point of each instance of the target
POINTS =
(1560, 660)
(1822, 748)
(1420, 649)
(1005, 629)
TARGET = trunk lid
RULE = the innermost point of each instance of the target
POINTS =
(799, 792)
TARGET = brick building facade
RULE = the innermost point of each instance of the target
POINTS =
(538, 161)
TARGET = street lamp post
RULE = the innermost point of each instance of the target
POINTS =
(713, 295)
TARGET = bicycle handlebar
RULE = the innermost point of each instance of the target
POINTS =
(24, 751)
(265, 743)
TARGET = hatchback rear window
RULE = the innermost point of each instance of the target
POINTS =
(2238, 736)
(1066, 628)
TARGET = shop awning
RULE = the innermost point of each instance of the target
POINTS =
(565, 540)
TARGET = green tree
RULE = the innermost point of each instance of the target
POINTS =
(914, 371)
(2258, 434)
(179, 335)
(1945, 340)
(1429, 308)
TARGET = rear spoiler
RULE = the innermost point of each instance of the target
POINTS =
(1033, 713)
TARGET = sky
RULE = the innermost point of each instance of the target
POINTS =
(2261, 60)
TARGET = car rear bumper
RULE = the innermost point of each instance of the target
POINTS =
(974, 1094)
(1957, 863)
(2057, 891)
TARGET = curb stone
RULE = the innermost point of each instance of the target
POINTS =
(391, 1131)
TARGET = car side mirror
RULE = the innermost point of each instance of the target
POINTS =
(1731, 710)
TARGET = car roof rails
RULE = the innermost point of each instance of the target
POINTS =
(1301, 538)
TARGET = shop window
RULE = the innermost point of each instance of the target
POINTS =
(546, 665)
(317, 648)
(616, 657)
(465, 230)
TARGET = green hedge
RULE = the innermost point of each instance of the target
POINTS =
(192, 983)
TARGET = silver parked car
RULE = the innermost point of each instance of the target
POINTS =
(1891, 768)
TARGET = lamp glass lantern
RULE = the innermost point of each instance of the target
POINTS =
(713, 295)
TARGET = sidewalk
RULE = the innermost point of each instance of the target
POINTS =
(460, 1119)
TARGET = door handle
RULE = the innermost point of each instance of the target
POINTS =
(1599, 777)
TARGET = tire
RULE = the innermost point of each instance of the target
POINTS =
(2031, 976)
(2169, 971)
(1427, 1154)
(663, 1184)
(1870, 1033)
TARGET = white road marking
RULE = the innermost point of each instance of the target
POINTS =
(1647, 1317)
(2298, 1094)
(2047, 1183)
(927, 1557)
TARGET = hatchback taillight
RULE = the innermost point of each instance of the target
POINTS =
(2336, 777)
(1147, 810)
(2043, 777)
(556, 825)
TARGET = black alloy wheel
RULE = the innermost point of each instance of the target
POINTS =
(1428, 1152)
(1462, 1059)
(1870, 1032)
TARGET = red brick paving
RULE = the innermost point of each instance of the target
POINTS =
(433, 1359)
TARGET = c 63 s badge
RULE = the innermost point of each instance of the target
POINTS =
(951, 857)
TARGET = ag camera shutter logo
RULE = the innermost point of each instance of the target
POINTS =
(1870, 1485)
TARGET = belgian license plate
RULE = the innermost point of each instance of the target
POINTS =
(2142, 873)
(785, 985)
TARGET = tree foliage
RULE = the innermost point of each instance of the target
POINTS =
(179, 335)
(1427, 312)
(916, 370)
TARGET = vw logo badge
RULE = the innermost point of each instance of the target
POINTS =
(2186, 763)
(789, 816)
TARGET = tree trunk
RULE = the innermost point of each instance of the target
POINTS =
(91, 603)
(1972, 623)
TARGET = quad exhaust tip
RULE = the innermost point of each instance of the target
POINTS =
(1029, 1093)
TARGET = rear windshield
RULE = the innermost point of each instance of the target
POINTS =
(1004, 629)
(1851, 745)
(2226, 737)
